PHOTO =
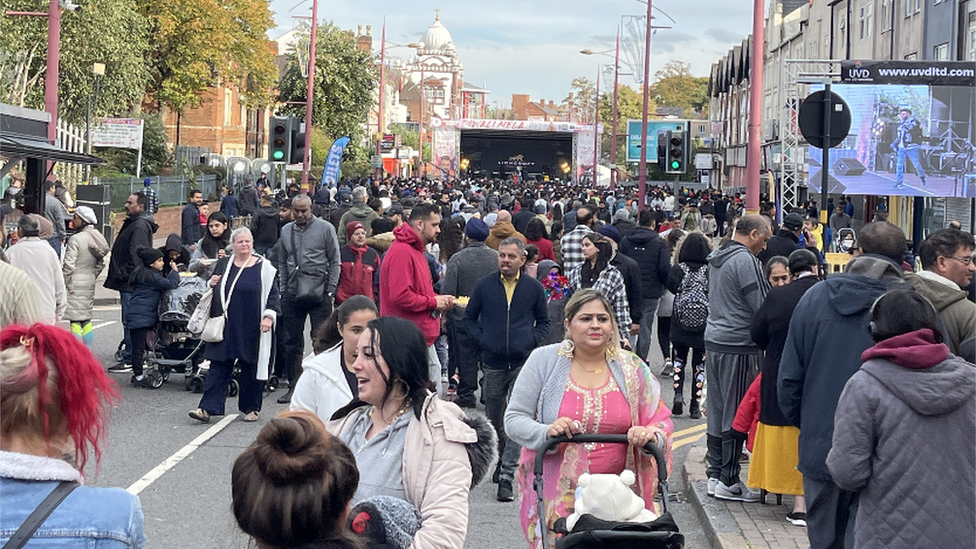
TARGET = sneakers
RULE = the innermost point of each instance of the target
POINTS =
(286, 398)
(797, 519)
(505, 490)
(677, 408)
(668, 369)
(712, 483)
(694, 412)
(736, 492)
(120, 368)
(140, 383)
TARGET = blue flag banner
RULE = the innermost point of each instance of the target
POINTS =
(332, 163)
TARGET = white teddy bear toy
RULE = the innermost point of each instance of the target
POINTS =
(610, 498)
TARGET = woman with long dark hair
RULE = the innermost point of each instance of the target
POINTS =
(328, 382)
(408, 443)
(212, 246)
(691, 264)
(535, 234)
(596, 272)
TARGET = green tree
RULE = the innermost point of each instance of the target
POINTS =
(630, 106)
(579, 103)
(104, 31)
(196, 44)
(675, 86)
(345, 78)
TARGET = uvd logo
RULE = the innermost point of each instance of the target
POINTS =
(859, 73)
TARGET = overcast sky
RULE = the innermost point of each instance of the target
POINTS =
(532, 46)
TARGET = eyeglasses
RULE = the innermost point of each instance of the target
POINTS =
(967, 260)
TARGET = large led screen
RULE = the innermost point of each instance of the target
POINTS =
(903, 141)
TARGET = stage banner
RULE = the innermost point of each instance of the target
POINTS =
(330, 175)
(926, 73)
(584, 155)
(445, 151)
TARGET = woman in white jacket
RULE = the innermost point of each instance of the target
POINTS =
(328, 383)
(84, 259)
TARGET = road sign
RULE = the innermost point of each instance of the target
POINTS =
(811, 118)
(120, 133)
(654, 127)
(376, 161)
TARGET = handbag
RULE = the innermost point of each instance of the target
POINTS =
(198, 320)
(309, 290)
(213, 330)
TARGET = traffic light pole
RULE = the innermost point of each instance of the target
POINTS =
(306, 161)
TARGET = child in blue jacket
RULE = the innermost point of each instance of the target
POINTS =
(141, 315)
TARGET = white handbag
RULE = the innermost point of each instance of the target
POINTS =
(198, 320)
(213, 329)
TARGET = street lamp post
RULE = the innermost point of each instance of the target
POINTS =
(596, 126)
(306, 160)
(98, 70)
(613, 132)
(642, 181)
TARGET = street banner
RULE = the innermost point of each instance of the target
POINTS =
(330, 175)
(445, 151)
(518, 125)
(926, 73)
(119, 133)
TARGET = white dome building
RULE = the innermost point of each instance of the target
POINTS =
(437, 40)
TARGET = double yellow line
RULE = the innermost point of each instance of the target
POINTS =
(688, 436)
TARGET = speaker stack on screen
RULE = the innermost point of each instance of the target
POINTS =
(98, 198)
(848, 166)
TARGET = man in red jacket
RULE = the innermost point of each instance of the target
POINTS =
(406, 288)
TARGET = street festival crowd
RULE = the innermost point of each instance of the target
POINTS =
(536, 302)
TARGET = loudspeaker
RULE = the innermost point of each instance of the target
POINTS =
(93, 193)
(833, 185)
(848, 166)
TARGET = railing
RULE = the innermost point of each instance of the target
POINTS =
(172, 190)
(71, 139)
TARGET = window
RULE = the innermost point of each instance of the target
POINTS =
(918, 6)
(885, 15)
(227, 102)
(826, 46)
(870, 18)
(971, 38)
(860, 22)
(942, 52)
(912, 56)
(908, 8)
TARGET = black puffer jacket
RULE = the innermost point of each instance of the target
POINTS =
(653, 256)
(136, 232)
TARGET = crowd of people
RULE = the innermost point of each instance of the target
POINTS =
(537, 301)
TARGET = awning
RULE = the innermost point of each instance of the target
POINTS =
(18, 146)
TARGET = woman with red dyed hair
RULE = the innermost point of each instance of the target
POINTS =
(54, 399)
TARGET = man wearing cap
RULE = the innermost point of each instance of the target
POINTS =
(39, 260)
(621, 220)
(631, 272)
(151, 196)
(463, 270)
(84, 259)
(787, 239)
(359, 272)
(395, 214)
(18, 295)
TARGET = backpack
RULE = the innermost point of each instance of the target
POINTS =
(691, 302)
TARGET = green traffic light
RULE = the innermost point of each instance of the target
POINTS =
(279, 155)
(675, 165)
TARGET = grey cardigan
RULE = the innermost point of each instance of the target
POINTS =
(906, 440)
(538, 392)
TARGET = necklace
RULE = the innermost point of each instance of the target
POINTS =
(403, 409)
(598, 370)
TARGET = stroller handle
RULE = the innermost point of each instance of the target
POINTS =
(649, 448)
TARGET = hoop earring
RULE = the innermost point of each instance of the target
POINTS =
(567, 348)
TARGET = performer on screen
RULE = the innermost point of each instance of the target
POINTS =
(906, 144)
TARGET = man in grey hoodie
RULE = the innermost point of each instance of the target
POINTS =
(358, 212)
(737, 288)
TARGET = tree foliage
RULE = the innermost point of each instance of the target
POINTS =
(197, 44)
(579, 103)
(675, 86)
(103, 31)
(630, 106)
(345, 78)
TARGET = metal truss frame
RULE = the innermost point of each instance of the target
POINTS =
(797, 75)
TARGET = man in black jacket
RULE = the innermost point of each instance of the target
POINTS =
(653, 256)
(506, 335)
(787, 239)
(191, 229)
(136, 232)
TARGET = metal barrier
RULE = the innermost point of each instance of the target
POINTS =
(172, 190)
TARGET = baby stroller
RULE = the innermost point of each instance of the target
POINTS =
(172, 348)
(589, 531)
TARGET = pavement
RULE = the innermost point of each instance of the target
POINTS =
(734, 525)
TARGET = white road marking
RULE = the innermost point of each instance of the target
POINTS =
(180, 455)
(107, 308)
(103, 324)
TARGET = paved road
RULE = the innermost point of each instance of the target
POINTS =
(187, 501)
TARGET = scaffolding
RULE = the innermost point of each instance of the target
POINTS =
(796, 77)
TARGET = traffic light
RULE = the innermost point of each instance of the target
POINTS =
(677, 152)
(297, 143)
(280, 139)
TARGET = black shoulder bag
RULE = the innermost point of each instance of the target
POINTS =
(37, 518)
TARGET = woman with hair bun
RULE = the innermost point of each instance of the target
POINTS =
(292, 487)
(54, 402)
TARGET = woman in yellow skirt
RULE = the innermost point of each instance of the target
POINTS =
(775, 456)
